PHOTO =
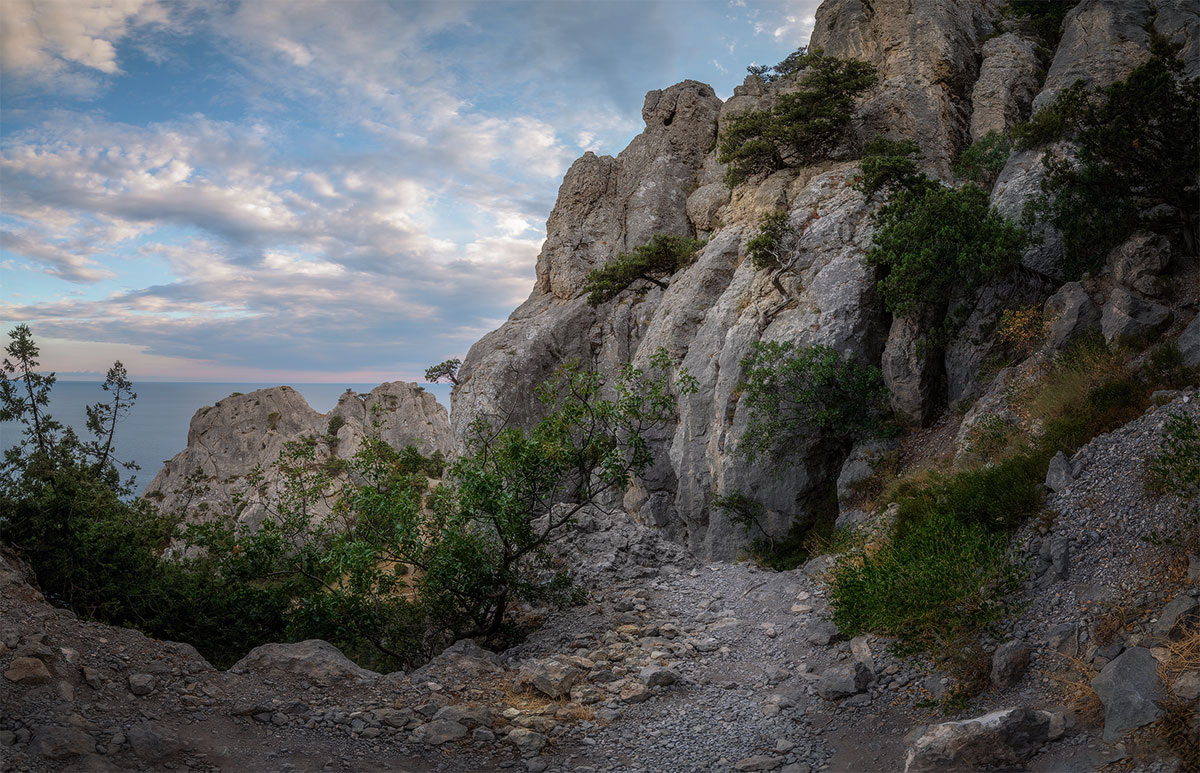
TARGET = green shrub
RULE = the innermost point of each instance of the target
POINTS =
(447, 369)
(998, 497)
(1044, 18)
(802, 126)
(981, 163)
(335, 424)
(272, 420)
(935, 244)
(654, 261)
(1175, 468)
(791, 390)
(763, 249)
(1136, 148)
(806, 537)
(935, 586)
(890, 166)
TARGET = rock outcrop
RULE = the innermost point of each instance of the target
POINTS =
(227, 441)
(941, 85)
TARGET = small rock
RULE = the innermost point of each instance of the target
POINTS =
(758, 762)
(635, 692)
(553, 677)
(528, 742)
(822, 632)
(438, 731)
(1182, 610)
(1009, 662)
(1187, 687)
(152, 742)
(27, 671)
(653, 676)
(1058, 475)
(141, 684)
(61, 743)
(843, 681)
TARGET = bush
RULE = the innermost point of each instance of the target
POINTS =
(981, 163)
(447, 369)
(1175, 468)
(335, 424)
(802, 126)
(999, 497)
(935, 244)
(654, 261)
(764, 248)
(791, 390)
(934, 586)
(1044, 18)
(890, 166)
(1136, 149)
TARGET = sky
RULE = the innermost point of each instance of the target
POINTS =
(294, 191)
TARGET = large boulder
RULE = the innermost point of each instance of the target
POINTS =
(1004, 737)
(860, 464)
(1127, 315)
(312, 659)
(1137, 262)
(1071, 314)
(912, 370)
(1131, 692)
(553, 677)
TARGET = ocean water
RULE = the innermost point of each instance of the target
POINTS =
(156, 428)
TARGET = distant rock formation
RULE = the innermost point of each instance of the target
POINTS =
(227, 441)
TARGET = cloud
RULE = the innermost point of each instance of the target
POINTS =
(64, 263)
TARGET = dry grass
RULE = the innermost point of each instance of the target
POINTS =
(1075, 689)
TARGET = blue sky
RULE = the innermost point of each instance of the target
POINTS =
(315, 191)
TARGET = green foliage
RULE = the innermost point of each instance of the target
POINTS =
(1135, 152)
(802, 126)
(1175, 468)
(1044, 18)
(934, 586)
(936, 243)
(793, 64)
(335, 424)
(654, 261)
(981, 163)
(272, 420)
(790, 390)
(806, 536)
(447, 369)
(890, 166)
(764, 247)
(998, 498)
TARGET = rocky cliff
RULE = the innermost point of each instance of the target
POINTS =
(227, 441)
(950, 71)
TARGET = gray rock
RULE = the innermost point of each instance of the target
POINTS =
(462, 660)
(1189, 343)
(822, 632)
(1071, 313)
(655, 676)
(226, 442)
(527, 741)
(61, 743)
(438, 731)
(1009, 662)
(142, 684)
(27, 671)
(1131, 692)
(1138, 261)
(912, 371)
(1126, 315)
(1018, 183)
(153, 742)
(843, 681)
(758, 762)
(1008, 80)
(1181, 611)
(703, 204)
(861, 462)
(313, 659)
(1186, 687)
(551, 676)
(1058, 475)
(1004, 737)
(851, 519)
(468, 716)
(1064, 639)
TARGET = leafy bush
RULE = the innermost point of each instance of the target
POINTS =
(1044, 18)
(998, 497)
(1175, 468)
(981, 163)
(936, 243)
(335, 424)
(654, 261)
(934, 586)
(791, 390)
(890, 166)
(802, 126)
(1136, 149)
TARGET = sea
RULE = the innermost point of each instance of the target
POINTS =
(156, 428)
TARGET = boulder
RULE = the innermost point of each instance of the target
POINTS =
(463, 660)
(61, 743)
(1131, 692)
(911, 370)
(843, 681)
(527, 741)
(313, 659)
(822, 632)
(27, 671)
(860, 464)
(1138, 261)
(1058, 474)
(1071, 313)
(1004, 737)
(1180, 612)
(142, 684)
(655, 676)
(468, 716)
(153, 742)
(438, 731)
(1127, 315)
(1009, 662)
(553, 677)
(758, 762)
(703, 204)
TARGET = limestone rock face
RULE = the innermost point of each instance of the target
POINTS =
(228, 440)
(927, 55)
(1006, 85)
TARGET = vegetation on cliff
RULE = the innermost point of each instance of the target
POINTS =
(652, 262)
(805, 124)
